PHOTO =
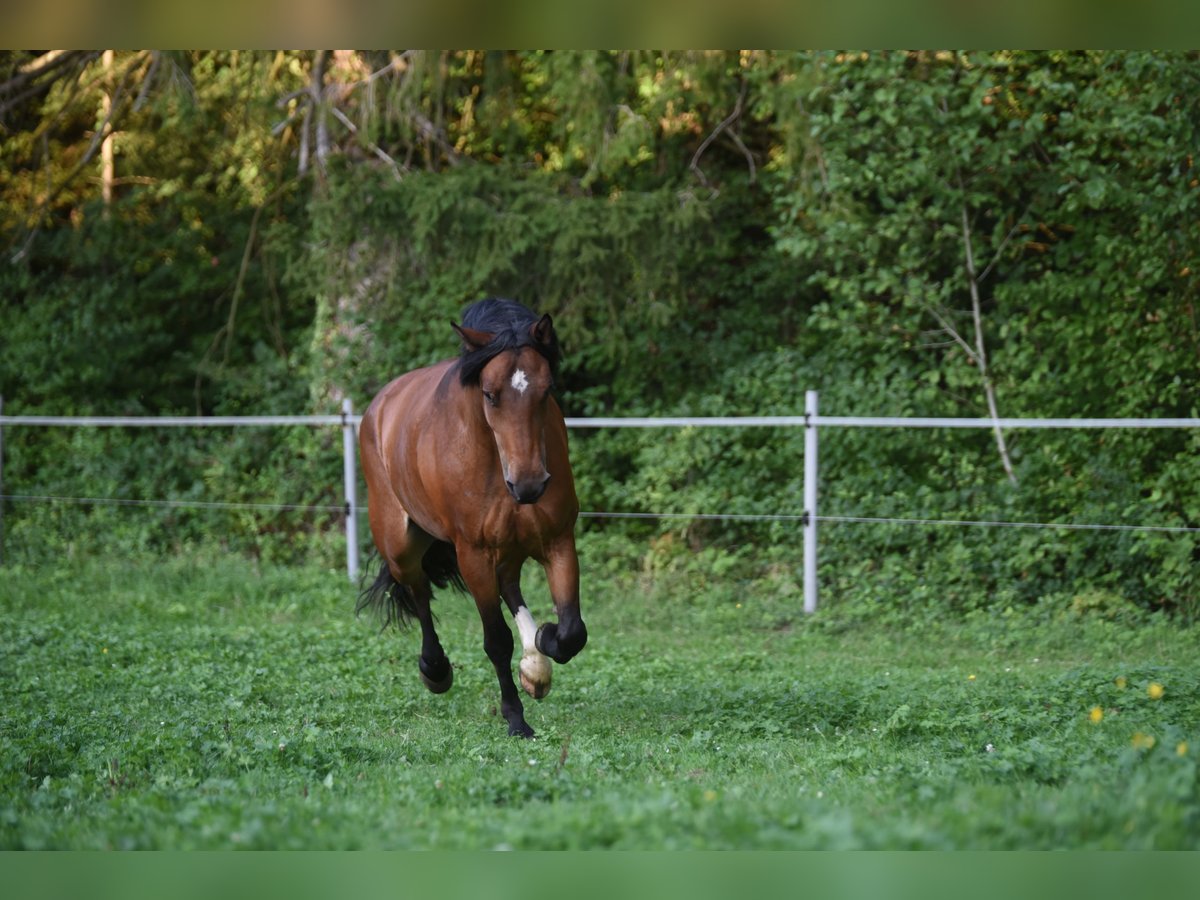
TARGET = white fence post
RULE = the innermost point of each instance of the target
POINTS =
(350, 480)
(810, 420)
(810, 501)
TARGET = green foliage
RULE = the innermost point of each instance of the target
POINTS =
(713, 232)
(390, 254)
(1055, 160)
(210, 703)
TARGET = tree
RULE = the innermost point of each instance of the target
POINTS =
(917, 166)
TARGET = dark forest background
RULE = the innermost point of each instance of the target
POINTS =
(910, 233)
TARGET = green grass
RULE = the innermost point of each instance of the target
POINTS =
(186, 705)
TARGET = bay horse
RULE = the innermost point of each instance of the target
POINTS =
(467, 478)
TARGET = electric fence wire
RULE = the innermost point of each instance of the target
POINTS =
(169, 504)
(800, 518)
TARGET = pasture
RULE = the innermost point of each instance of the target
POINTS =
(211, 704)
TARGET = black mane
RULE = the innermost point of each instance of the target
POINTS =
(512, 326)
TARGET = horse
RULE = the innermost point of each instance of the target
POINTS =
(468, 477)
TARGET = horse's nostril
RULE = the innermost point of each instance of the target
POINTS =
(527, 492)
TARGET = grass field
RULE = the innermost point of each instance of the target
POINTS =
(186, 705)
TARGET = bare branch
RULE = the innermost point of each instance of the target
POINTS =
(952, 332)
(737, 140)
(148, 79)
(102, 133)
(935, 345)
(237, 287)
(981, 359)
(374, 148)
(433, 133)
(1004, 243)
(289, 97)
(278, 128)
(226, 332)
(48, 62)
(38, 75)
(716, 132)
(302, 164)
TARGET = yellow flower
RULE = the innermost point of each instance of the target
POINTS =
(1181, 748)
(1142, 741)
(1155, 690)
(1096, 715)
(970, 678)
(1120, 682)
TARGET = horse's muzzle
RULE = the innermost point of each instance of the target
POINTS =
(529, 491)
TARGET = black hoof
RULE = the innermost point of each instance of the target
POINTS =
(544, 639)
(520, 729)
(561, 646)
(437, 677)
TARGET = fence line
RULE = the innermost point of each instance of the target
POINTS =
(811, 421)
(173, 421)
(814, 420)
(919, 422)
(171, 504)
(800, 518)
(985, 523)
(869, 422)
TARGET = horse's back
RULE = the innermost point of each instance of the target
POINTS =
(400, 415)
(403, 403)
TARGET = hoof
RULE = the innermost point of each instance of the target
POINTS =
(438, 682)
(539, 638)
(520, 730)
(535, 672)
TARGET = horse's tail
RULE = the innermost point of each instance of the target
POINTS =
(441, 565)
(395, 602)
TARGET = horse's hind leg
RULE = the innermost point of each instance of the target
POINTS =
(404, 564)
(436, 673)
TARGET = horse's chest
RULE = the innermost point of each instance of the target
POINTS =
(515, 530)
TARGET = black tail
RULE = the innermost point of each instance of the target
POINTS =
(441, 565)
(394, 602)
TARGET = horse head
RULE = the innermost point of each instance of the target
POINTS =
(513, 368)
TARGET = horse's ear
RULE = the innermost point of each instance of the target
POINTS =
(472, 339)
(542, 330)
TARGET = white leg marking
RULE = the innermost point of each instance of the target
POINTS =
(534, 668)
(527, 627)
(520, 381)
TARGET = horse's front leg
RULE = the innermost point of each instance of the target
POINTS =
(563, 640)
(534, 668)
(479, 573)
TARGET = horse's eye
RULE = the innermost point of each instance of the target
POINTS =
(490, 397)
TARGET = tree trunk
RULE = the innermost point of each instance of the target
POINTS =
(320, 111)
(107, 166)
(340, 332)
